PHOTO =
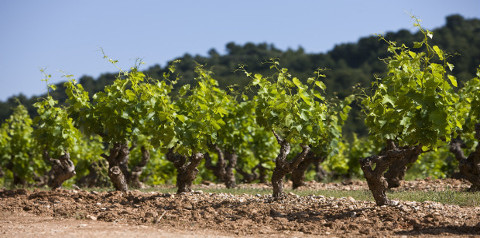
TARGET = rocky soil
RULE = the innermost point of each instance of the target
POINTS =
(219, 214)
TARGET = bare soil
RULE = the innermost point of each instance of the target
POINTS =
(79, 213)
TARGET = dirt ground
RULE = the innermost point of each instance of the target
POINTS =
(78, 213)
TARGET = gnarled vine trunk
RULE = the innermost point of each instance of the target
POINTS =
(298, 174)
(249, 177)
(62, 169)
(186, 169)
(470, 169)
(262, 173)
(469, 166)
(283, 167)
(396, 171)
(117, 162)
(229, 175)
(219, 168)
(252, 176)
(134, 178)
(320, 173)
(375, 166)
(223, 170)
(17, 180)
(95, 177)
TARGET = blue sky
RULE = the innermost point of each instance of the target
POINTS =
(66, 35)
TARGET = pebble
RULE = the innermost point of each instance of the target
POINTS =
(150, 214)
(404, 208)
(395, 203)
(168, 195)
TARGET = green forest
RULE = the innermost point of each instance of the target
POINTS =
(347, 65)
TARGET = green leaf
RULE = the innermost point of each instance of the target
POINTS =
(388, 100)
(305, 98)
(124, 115)
(181, 118)
(438, 51)
(51, 102)
(130, 95)
(450, 66)
(297, 82)
(417, 44)
(452, 80)
(425, 148)
(298, 127)
(256, 79)
(321, 85)
(438, 117)
(412, 54)
(310, 80)
(317, 95)
(216, 125)
(458, 124)
(303, 116)
(288, 120)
